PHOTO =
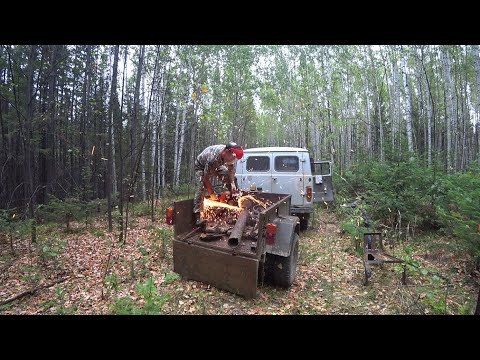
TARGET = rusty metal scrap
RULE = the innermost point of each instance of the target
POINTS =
(210, 236)
(237, 231)
(232, 220)
(374, 254)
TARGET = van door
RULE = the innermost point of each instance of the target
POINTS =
(322, 181)
(287, 176)
(255, 173)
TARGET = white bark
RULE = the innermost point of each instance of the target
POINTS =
(144, 153)
(156, 114)
(330, 147)
(315, 110)
(476, 51)
(396, 141)
(161, 168)
(183, 125)
(114, 172)
(177, 127)
(408, 111)
(420, 95)
(428, 105)
(429, 127)
(449, 105)
(379, 106)
(367, 107)
(348, 122)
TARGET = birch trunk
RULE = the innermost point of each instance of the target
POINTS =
(396, 138)
(449, 106)
(142, 157)
(429, 129)
(150, 128)
(367, 106)
(465, 111)
(110, 157)
(193, 135)
(476, 52)
(162, 134)
(348, 139)
(408, 111)
(430, 110)
(136, 120)
(379, 107)
(177, 126)
(114, 168)
(183, 124)
(157, 111)
(420, 102)
(28, 147)
(331, 127)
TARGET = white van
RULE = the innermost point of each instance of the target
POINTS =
(287, 170)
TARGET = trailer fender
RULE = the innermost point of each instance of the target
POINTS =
(286, 226)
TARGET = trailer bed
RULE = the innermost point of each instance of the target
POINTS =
(213, 261)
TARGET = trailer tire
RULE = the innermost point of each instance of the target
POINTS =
(283, 270)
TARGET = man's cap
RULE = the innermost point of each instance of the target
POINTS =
(236, 149)
(238, 152)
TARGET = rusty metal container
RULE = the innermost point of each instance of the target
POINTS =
(238, 268)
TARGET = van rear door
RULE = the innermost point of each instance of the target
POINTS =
(287, 176)
(322, 181)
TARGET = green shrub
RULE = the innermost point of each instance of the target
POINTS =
(458, 207)
(153, 302)
(170, 278)
(143, 208)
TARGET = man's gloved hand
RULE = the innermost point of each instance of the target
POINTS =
(234, 188)
(213, 197)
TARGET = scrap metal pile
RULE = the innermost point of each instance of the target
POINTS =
(234, 215)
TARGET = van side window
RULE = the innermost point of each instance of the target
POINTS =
(258, 163)
(286, 163)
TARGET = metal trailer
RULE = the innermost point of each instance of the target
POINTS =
(259, 247)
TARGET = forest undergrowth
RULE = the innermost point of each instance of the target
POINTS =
(84, 270)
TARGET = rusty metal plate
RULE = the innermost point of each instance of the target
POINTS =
(183, 215)
(233, 273)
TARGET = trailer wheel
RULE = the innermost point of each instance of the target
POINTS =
(282, 270)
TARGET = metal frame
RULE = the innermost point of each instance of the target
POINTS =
(374, 254)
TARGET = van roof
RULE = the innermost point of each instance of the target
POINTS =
(275, 149)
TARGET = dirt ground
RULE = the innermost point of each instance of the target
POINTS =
(85, 271)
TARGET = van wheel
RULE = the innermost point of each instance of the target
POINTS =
(281, 270)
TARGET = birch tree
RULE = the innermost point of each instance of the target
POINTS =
(379, 106)
(476, 52)
(110, 156)
(408, 110)
(449, 106)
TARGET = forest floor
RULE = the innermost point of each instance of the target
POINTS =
(84, 271)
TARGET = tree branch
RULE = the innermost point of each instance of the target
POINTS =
(32, 291)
